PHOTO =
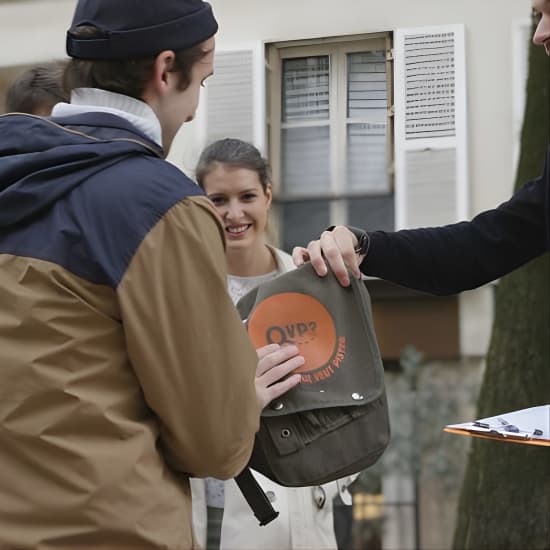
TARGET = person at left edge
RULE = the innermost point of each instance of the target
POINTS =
(124, 366)
(37, 90)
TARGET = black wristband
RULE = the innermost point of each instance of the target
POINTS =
(363, 239)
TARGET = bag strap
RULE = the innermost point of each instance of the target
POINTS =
(256, 498)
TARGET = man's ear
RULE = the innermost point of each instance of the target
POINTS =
(159, 82)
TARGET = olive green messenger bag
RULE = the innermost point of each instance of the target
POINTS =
(335, 422)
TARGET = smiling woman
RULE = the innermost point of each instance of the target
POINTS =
(237, 180)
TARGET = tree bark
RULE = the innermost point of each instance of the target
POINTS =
(505, 498)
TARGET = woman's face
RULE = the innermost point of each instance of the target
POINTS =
(241, 202)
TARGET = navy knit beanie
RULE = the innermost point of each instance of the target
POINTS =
(130, 29)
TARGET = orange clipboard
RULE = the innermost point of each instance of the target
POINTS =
(526, 426)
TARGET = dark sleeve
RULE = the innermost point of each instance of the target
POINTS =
(450, 259)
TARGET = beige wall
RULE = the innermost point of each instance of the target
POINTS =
(34, 30)
(489, 43)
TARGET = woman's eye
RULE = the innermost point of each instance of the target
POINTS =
(249, 196)
(537, 15)
(218, 201)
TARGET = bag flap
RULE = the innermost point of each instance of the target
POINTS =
(333, 329)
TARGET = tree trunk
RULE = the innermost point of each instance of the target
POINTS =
(505, 499)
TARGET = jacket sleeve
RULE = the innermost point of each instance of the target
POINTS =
(465, 255)
(187, 345)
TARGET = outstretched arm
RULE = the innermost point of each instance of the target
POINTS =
(448, 259)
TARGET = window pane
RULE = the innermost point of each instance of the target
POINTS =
(372, 213)
(367, 86)
(367, 138)
(306, 88)
(367, 157)
(305, 160)
(303, 221)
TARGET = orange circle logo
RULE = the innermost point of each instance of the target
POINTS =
(294, 318)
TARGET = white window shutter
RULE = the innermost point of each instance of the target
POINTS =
(430, 126)
(235, 105)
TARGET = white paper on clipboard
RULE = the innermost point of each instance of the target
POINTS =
(530, 426)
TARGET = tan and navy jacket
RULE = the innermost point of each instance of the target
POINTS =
(124, 367)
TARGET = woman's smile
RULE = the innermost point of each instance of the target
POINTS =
(236, 231)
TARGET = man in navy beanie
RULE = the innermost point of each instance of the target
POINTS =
(124, 365)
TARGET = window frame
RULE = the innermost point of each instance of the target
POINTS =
(338, 120)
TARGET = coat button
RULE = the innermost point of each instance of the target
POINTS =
(270, 496)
